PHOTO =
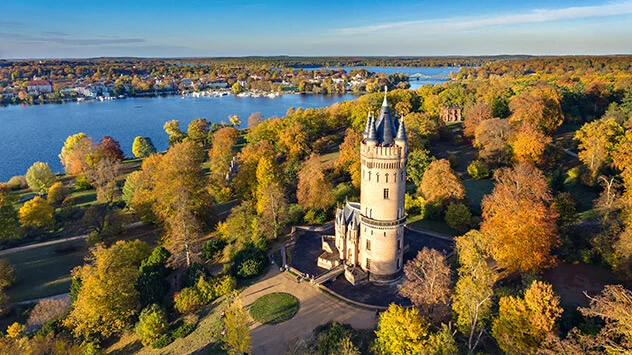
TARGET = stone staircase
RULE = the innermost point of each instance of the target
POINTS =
(338, 270)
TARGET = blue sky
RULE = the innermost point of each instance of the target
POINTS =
(77, 29)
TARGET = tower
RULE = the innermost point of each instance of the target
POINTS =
(383, 184)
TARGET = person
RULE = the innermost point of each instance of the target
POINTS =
(377, 313)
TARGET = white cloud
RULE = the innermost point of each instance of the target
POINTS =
(470, 23)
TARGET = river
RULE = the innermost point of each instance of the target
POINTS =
(30, 133)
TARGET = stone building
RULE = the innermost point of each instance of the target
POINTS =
(369, 236)
(451, 113)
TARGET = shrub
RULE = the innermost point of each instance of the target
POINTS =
(81, 182)
(249, 262)
(182, 330)
(478, 170)
(572, 175)
(212, 247)
(458, 217)
(8, 275)
(47, 311)
(188, 300)
(57, 193)
(193, 274)
(163, 341)
(453, 160)
(431, 211)
(15, 330)
(295, 214)
(17, 183)
(315, 217)
(152, 324)
(225, 285)
(412, 204)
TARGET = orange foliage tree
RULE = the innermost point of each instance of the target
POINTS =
(440, 185)
(539, 106)
(314, 191)
(528, 143)
(349, 158)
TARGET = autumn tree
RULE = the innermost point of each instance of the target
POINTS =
(56, 193)
(271, 201)
(198, 131)
(528, 143)
(245, 180)
(254, 119)
(152, 324)
(400, 331)
(76, 153)
(143, 147)
(103, 177)
(37, 213)
(349, 159)
(172, 128)
(293, 141)
(491, 138)
(524, 323)
(427, 284)
(519, 221)
(39, 177)
(222, 153)
(440, 185)
(9, 222)
(314, 191)
(539, 106)
(237, 338)
(614, 306)
(475, 113)
(111, 149)
(472, 300)
(107, 299)
(422, 128)
(597, 141)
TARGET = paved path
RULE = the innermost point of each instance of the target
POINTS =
(430, 233)
(316, 308)
(57, 241)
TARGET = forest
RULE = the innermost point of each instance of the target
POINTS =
(536, 178)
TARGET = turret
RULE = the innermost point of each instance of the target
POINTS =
(384, 125)
(401, 140)
(371, 139)
(365, 134)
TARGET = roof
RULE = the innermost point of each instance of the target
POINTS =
(383, 129)
(38, 82)
(349, 214)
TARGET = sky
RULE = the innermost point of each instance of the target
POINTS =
(165, 28)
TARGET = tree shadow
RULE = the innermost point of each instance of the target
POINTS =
(130, 348)
(210, 349)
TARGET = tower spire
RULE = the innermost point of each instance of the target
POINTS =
(385, 103)
(401, 131)
(368, 124)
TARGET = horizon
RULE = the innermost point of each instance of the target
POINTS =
(198, 29)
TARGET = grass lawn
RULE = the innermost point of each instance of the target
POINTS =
(45, 271)
(274, 308)
(427, 224)
(475, 190)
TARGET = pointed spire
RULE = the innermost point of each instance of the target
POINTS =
(368, 123)
(372, 131)
(385, 103)
(401, 131)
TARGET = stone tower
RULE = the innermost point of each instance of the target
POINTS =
(383, 159)
(369, 236)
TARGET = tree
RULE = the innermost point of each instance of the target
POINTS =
(188, 300)
(107, 300)
(472, 300)
(237, 88)
(36, 213)
(524, 323)
(427, 284)
(349, 159)
(234, 120)
(237, 339)
(614, 306)
(103, 178)
(9, 222)
(475, 113)
(478, 170)
(418, 162)
(458, 217)
(314, 191)
(39, 177)
(172, 128)
(272, 204)
(8, 275)
(528, 143)
(597, 141)
(198, 131)
(254, 119)
(440, 185)
(111, 148)
(293, 141)
(152, 285)
(152, 324)
(57, 193)
(75, 154)
(491, 140)
(441, 343)
(539, 106)
(221, 154)
(143, 147)
(519, 221)
(400, 331)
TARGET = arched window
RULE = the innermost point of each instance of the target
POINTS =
(395, 177)
(369, 176)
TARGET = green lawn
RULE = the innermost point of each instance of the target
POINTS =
(475, 190)
(45, 271)
(427, 224)
(274, 308)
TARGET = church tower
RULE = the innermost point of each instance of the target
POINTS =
(383, 156)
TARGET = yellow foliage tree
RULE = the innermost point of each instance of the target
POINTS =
(237, 339)
(528, 143)
(36, 213)
(314, 191)
(401, 331)
(539, 106)
(349, 158)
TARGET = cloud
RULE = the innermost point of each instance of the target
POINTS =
(471, 23)
(55, 33)
(61, 38)
(11, 24)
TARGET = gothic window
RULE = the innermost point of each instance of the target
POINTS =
(369, 176)
(398, 263)
(377, 177)
(395, 177)
(368, 244)
(386, 177)
(399, 244)
(368, 264)
(387, 194)
(371, 214)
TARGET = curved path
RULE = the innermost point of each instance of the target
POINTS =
(316, 308)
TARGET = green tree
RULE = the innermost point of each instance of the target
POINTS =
(152, 324)
(36, 213)
(458, 217)
(39, 177)
(8, 275)
(172, 128)
(401, 331)
(237, 88)
(418, 162)
(143, 147)
(9, 222)
(188, 300)
(107, 300)
(198, 131)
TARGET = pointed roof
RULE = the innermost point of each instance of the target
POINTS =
(401, 131)
(372, 135)
(384, 125)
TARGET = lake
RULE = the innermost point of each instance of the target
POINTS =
(419, 76)
(37, 132)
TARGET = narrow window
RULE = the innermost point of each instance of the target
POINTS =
(399, 244)
(387, 177)
(369, 176)
(368, 244)
(368, 264)
(395, 177)
(377, 177)
(387, 194)
(398, 263)
(385, 234)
